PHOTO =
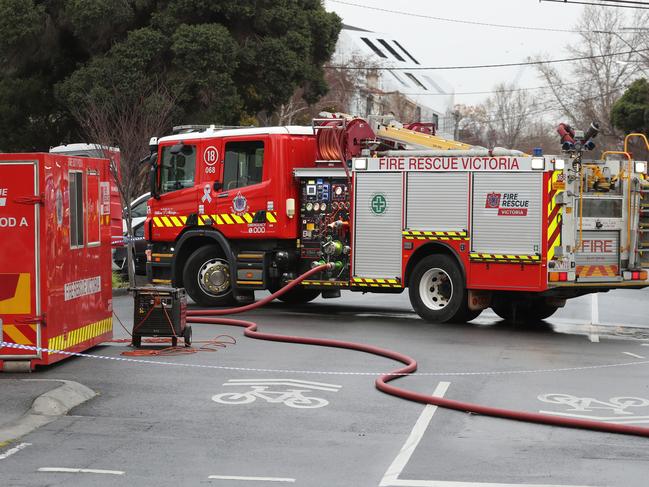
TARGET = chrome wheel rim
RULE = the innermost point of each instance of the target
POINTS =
(214, 277)
(436, 289)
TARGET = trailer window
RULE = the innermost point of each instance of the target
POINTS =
(76, 208)
(244, 163)
(177, 171)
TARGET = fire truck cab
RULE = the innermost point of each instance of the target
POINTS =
(463, 228)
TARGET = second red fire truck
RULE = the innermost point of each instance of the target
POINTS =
(464, 228)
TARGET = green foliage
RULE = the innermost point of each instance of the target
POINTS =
(222, 62)
(631, 112)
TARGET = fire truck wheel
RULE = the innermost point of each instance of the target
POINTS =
(299, 296)
(206, 278)
(522, 312)
(465, 314)
(436, 289)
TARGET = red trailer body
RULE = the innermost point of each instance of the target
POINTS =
(55, 264)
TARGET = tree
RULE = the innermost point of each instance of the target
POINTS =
(509, 116)
(631, 112)
(125, 124)
(593, 85)
(222, 62)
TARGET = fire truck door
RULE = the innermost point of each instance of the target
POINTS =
(19, 259)
(242, 204)
(179, 196)
(378, 225)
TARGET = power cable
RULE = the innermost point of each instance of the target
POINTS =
(576, 2)
(457, 21)
(482, 66)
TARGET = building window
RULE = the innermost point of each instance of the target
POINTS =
(376, 50)
(75, 188)
(391, 50)
(406, 52)
(244, 162)
(416, 81)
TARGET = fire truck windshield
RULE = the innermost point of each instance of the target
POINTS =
(177, 170)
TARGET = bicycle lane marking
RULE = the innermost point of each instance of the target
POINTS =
(624, 407)
(295, 393)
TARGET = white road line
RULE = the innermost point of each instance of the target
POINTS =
(399, 463)
(80, 470)
(391, 477)
(259, 479)
(13, 450)
(443, 483)
(296, 381)
(633, 355)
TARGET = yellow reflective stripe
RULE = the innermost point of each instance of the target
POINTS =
(227, 219)
(218, 220)
(271, 217)
(176, 221)
(167, 222)
(157, 222)
(236, 218)
(248, 217)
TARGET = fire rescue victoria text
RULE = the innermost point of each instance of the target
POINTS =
(449, 164)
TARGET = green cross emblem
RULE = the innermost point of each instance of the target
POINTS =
(379, 204)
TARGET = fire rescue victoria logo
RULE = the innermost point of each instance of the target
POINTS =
(239, 204)
(508, 204)
(378, 204)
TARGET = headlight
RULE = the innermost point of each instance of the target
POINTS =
(538, 163)
(559, 164)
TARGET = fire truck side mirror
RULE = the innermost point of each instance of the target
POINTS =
(153, 176)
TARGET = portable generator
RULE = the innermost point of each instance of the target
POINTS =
(160, 312)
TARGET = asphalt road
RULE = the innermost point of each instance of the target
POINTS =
(161, 425)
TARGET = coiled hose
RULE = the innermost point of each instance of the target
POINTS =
(212, 316)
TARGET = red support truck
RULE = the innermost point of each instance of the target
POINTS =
(55, 263)
(463, 228)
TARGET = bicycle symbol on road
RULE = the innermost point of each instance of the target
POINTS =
(295, 396)
(617, 405)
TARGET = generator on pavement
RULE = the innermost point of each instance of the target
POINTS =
(160, 312)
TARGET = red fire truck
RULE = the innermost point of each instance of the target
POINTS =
(55, 266)
(463, 228)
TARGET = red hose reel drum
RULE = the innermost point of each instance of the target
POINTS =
(348, 138)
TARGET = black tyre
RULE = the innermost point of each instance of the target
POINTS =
(465, 314)
(206, 278)
(187, 335)
(436, 289)
(522, 311)
(136, 341)
(299, 295)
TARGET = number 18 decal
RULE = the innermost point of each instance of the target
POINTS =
(211, 157)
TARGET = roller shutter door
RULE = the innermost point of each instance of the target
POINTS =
(437, 201)
(507, 212)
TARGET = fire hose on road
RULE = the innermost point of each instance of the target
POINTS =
(213, 316)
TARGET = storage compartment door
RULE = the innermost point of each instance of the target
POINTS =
(19, 266)
(437, 201)
(378, 225)
(507, 210)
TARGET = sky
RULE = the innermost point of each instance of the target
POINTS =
(439, 43)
